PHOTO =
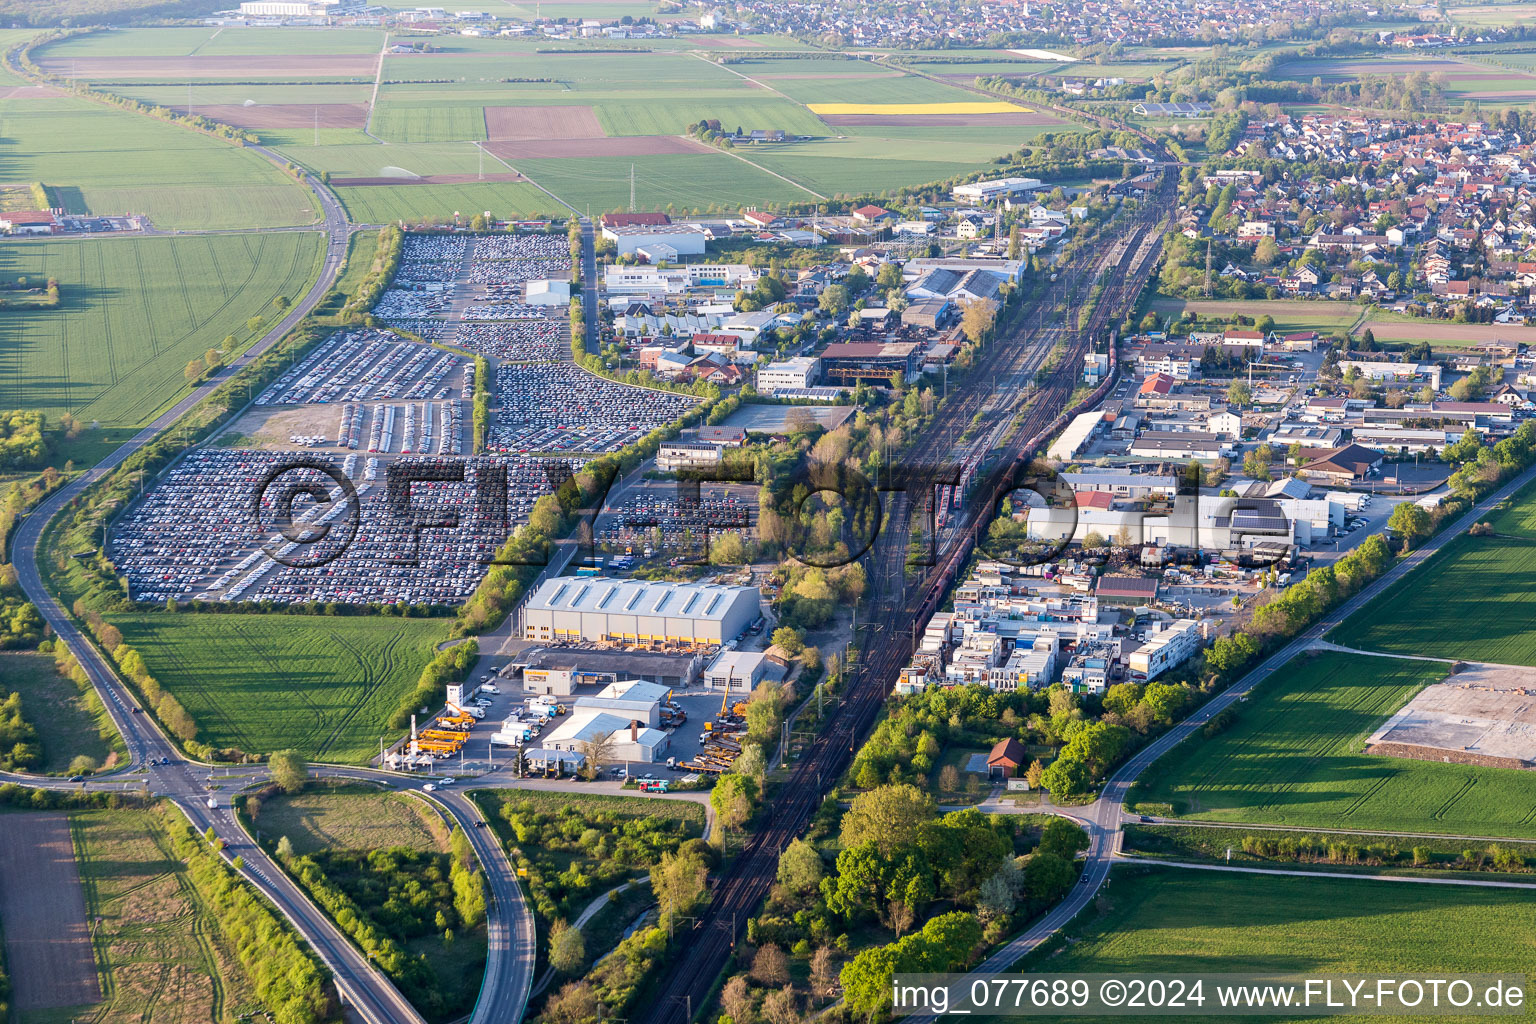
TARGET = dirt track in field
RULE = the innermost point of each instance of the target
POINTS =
(551, 122)
(430, 179)
(618, 145)
(941, 120)
(287, 115)
(308, 65)
(47, 942)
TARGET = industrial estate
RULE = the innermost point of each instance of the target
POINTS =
(760, 513)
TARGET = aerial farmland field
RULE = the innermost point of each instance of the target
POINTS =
(384, 204)
(694, 181)
(1170, 920)
(548, 116)
(134, 311)
(1295, 757)
(1487, 580)
(100, 160)
(324, 686)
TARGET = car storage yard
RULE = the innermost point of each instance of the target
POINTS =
(294, 504)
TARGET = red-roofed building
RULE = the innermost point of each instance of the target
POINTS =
(29, 222)
(872, 214)
(1094, 499)
(1006, 758)
(1157, 384)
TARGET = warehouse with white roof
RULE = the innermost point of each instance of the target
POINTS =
(627, 713)
(637, 611)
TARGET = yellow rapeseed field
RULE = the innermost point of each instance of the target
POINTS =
(977, 107)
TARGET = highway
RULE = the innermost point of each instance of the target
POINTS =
(374, 998)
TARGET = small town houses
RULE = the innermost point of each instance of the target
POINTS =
(1431, 215)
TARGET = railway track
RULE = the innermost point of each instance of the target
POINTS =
(898, 602)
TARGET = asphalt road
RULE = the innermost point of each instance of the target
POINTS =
(589, 283)
(1104, 818)
(374, 998)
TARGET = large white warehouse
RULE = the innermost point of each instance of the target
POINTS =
(637, 611)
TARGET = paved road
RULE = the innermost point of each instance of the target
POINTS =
(367, 991)
(589, 283)
(1103, 819)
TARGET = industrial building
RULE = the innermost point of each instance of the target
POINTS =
(1169, 648)
(627, 713)
(557, 671)
(997, 188)
(741, 671)
(675, 455)
(683, 239)
(797, 373)
(637, 611)
(853, 362)
(1078, 435)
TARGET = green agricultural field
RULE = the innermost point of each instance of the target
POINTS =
(159, 952)
(135, 311)
(1490, 581)
(1166, 921)
(831, 174)
(175, 96)
(1319, 315)
(428, 124)
(684, 182)
(672, 115)
(321, 685)
(371, 160)
(1294, 757)
(905, 89)
(102, 160)
(384, 204)
(70, 721)
(208, 42)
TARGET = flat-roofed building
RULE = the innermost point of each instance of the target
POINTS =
(1166, 650)
(675, 455)
(997, 188)
(685, 239)
(558, 671)
(1122, 484)
(798, 372)
(1182, 445)
(1077, 436)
